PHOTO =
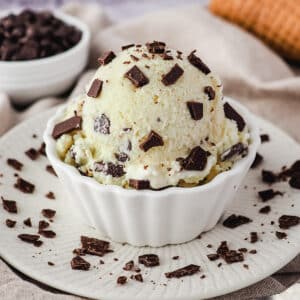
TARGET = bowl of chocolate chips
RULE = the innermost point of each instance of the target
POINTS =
(41, 53)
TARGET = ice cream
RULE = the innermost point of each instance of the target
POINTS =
(152, 117)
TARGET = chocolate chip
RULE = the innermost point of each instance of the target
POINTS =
(234, 221)
(29, 238)
(9, 205)
(15, 164)
(137, 277)
(173, 75)
(222, 249)
(51, 264)
(152, 140)
(253, 251)
(287, 221)
(106, 58)
(185, 271)
(10, 223)
(244, 250)
(253, 237)
(38, 243)
(195, 109)
(122, 156)
(24, 186)
(95, 88)
(49, 234)
(264, 138)
(280, 235)
(43, 225)
(257, 161)
(265, 210)
(268, 176)
(156, 47)
(213, 256)
(121, 280)
(115, 170)
(48, 213)
(175, 257)
(149, 260)
(102, 124)
(50, 169)
(139, 184)
(127, 46)
(27, 222)
(42, 149)
(269, 194)
(232, 114)
(129, 266)
(198, 63)
(196, 160)
(210, 92)
(50, 195)
(234, 151)
(73, 123)
(78, 263)
(294, 182)
(95, 246)
(32, 153)
(233, 256)
(137, 77)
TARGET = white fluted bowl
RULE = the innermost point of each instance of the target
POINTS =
(146, 217)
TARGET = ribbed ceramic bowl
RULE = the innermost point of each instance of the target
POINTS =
(25, 81)
(145, 217)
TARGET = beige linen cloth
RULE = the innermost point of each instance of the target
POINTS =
(250, 72)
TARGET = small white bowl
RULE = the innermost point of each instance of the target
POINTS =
(25, 81)
(146, 217)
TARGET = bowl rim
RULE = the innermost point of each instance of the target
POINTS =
(69, 19)
(221, 178)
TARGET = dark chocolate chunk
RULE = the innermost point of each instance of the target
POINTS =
(50, 169)
(121, 280)
(234, 221)
(264, 138)
(38, 243)
(29, 238)
(106, 58)
(222, 249)
(43, 225)
(269, 194)
(139, 184)
(115, 170)
(253, 251)
(166, 56)
(198, 63)
(102, 124)
(50, 195)
(122, 156)
(185, 271)
(27, 222)
(175, 257)
(137, 277)
(48, 213)
(129, 266)
(95, 88)
(32, 153)
(196, 160)
(15, 164)
(42, 149)
(49, 234)
(213, 256)
(127, 46)
(268, 176)
(78, 263)
(287, 221)
(137, 77)
(253, 237)
(10, 223)
(195, 109)
(173, 75)
(80, 251)
(149, 260)
(233, 256)
(9, 205)
(156, 47)
(232, 114)
(294, 182)
(234, 151)
(152, 140)
(95, 246)
(244, 250)
(24, 186)
(280, 235)
(210, 92)
(73, 123)
(265, 210)
(51, 264)
(257, 161)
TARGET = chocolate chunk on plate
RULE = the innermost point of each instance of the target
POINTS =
(29, 238)
(264, 138)
(129, 266)
(27, 222)
(196, 160)
(50, 169)
(24, 186)
(213, 256)
(149, 260)
(14, 163)
(49, 234)
(50, 195)
(185, 271)
(198, 63)
(139, 184)
(94, 246)
(73, 123)
(265, 210)
(78, 263)
(95, 88)
(233, 256)
(121, 280)
(234, 151)
(43, 225)
(268, 176)
(32, 153)
(48, 213)
(173, 75)
(152, 140)
(102, 124)
(232, 114)
(137, 277)
(106, 58)
(195, 109)
(294, 182)
(257, 161)
(10, 223)
(253, 237)
(223, 248)
(269, 194)
(280, 235)
(210, 92)
(287, 221)
(137, 77)
(9, 205)
(234, 221)
(156, 47)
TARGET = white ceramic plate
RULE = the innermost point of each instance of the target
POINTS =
(272, 254)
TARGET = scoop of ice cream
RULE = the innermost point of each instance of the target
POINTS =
(152, 117)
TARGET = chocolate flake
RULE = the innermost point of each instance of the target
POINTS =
(73, 123)
(43, 225)
(265, 210)
(38, 243)
(137, 277)
(102, 124)
(233, 256)
(50, 195)
(121, 280)
(9, 205)
(253, 237)
(198, 63)
(32, 153)
(287, 221)
(149, 260)
(234, 221)
(27, 222)
(139, 184)
(257, 161)
(24, 186)
(280, 235)
(10, 223)
(175, 257)
(185, 271)
(264, 138)
(253, 251)
(152, 140)
(78, 263)
(232, 114)
(95, 88)
(42, 149)
(222, 249)
(196, 160)
(15, 164)
(127, 46)
(137, 77)
(29, 238)
(269, 194)
(50, 169)
(106, 58)
(129, 266)
(173, 75)
(48, 213)
(210, 92)
(115, 170)
(195, 109)
(213, 256)
(294, 182)
(156, 47)
(51, 264)
(95, 246)
(234, 151)
(49, 234)
(268, 176)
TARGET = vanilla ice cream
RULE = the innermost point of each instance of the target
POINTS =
(152, 117)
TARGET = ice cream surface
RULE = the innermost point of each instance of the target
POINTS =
(152, 117)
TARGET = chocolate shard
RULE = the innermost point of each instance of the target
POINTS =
(129, 266)
(139, 184)
(232, 114)
(152, 140)
(127, 46)
(48, 213)
(280, 235)
(10, 223)
(29, 238)
(156, 47)
(234, 221)
(173, 75)
(78, 263)
(24, 186)
(9, 205)
(233, 256)
(32, 153)
(38, 243)
(222, 249)
(121, 280)
(43, 225)
(234, 151)
(294, 182)
(265, 210)
(14, 163)
(94, 246)
(137, 277)
(149, 260)
(287, 221)
(185, 271)
(106, 58)
(210, 92)
(268, 176)
(253, 237)
(27, 222)
(213, 256)
(109, 168)
(49, 234)
(196, 160)
(42, 149)
(73, 123)
(50, 169)
(264, 138)
(50, 195)
(257, 161)
(195, 109)
(95, 88)
(198, 63)
(269, 194)
(102, 124)
(137, 77)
